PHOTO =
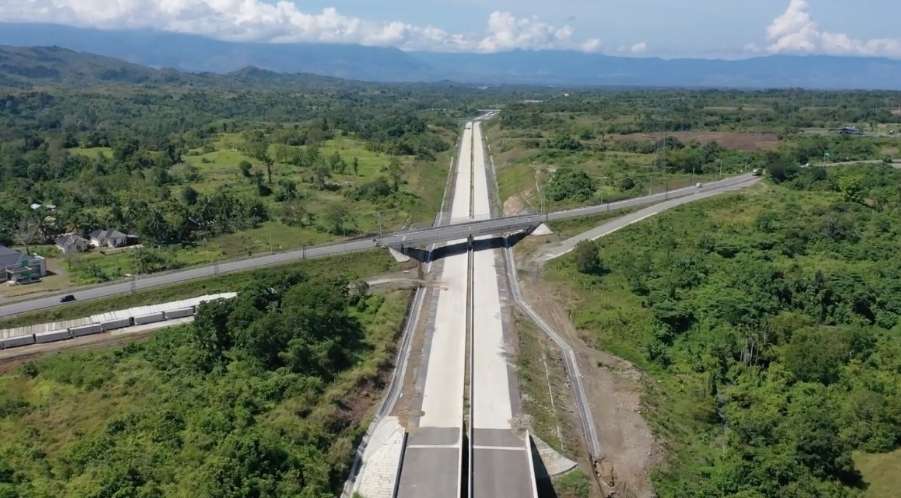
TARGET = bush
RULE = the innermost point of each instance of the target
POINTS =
(587, 259)
(570, 184)
(373, 191)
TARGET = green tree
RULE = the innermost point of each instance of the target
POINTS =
(395, 173)
(189, 195)
(567, 183)
(587, 259)
(336, 217)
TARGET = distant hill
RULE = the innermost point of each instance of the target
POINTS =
(199, 54)
(28, 65)
(570, 68)
(561, 68)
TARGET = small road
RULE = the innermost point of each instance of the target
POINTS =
(405, 239)
(549, 252)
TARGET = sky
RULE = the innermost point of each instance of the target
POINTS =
(665, 28)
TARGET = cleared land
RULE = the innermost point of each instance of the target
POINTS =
(747, 141)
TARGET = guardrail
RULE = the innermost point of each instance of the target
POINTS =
(531, 458)
(363, 243)
(570, 362)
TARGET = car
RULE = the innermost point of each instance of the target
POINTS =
(68, 298)
(699, 185)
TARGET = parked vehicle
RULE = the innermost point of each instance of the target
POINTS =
(68, 298)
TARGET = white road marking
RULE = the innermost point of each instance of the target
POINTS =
(499, 448)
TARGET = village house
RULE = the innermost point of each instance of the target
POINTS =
(108, 238)
(72, 243)
(18, 268)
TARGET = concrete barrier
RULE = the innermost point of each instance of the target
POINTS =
(151, 318)
(14, 342)
(94, 328)
(56, 335)
(120, 323)
(181, 313)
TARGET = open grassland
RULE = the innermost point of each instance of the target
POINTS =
(880, 472)
(526, 161)
(314, 214)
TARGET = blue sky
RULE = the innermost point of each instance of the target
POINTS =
(668, 28)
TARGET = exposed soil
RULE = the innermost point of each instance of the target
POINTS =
(729, 140)
(513, 205)
(614, 389)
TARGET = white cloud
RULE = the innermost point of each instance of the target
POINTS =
(281, 21)
(506, 32)
(592, 46)
(639, 48)
(795, 31)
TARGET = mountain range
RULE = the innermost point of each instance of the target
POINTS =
(197, 54)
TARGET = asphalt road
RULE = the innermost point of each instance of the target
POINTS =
(412, 238)
(549, 252)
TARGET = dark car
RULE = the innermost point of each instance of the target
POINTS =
(67, 298)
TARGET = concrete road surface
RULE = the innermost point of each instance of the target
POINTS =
(432, 463)
(500, 459)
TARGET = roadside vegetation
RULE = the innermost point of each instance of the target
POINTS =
(354, 266)
(595, 146)
(266, 395)
(770, 324)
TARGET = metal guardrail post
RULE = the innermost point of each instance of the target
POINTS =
(400, 465)
(531, 457)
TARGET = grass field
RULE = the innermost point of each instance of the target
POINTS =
(523, 168)
(215, 167)
(92, 152)
(881, 472)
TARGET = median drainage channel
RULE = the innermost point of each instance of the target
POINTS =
(31, 336)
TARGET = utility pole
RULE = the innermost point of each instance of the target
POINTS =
(379, 213)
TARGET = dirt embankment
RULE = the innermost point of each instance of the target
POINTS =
(729, 140)
(614, 389)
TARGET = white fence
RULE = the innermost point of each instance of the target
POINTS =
(102, 322)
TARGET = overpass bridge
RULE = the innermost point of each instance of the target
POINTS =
(406, 241)
(511, 224)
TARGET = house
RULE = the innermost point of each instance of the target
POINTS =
(108, 238)
(18, 268)
(72, 243)
(8, 259)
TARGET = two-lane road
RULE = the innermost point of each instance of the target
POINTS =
(411, 238)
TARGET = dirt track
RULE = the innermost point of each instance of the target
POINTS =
(729, 140)
(614, 389)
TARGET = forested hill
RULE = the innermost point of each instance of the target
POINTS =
(26, 67)
(29, 65)
(197, 54)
